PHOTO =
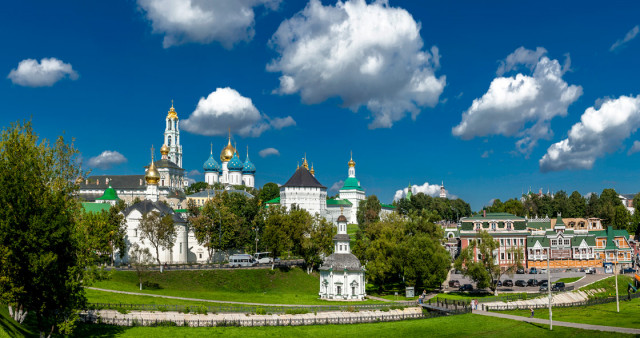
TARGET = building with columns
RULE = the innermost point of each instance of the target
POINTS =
(341, 274)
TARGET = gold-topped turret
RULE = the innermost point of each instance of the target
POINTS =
(312, 171)
(164, 150)
(172, 112)
(227, 152)
(305, 164)
(152, 176)
(352, 163)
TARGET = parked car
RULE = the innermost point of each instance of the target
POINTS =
(532, 282)
(521, 283)
(507, 282)
(533, 271)
(628, 270)
(454, 283)
(558, 287)
(466, 287)
(544, 286)
(542, 271)
(590, 270)
(239, 260)
(499, 283)
(263, 257)
(520, 271)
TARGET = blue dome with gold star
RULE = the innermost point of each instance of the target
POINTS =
(211, 165)
(235, 164)
(248, 167)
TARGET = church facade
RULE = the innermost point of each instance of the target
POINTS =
(232, 171)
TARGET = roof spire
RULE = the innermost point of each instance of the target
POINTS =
(211, 148)
(247, 151)
(305, 164)
(172, 103)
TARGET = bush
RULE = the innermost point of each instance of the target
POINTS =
(123, 311)
(186, 309)
(261, 311)
(352, 309)
(296, 311)
(396, 307)
(162, 308)
(151, 285)
(202, 310)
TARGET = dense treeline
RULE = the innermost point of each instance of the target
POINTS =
(446, 209)
(606, 206)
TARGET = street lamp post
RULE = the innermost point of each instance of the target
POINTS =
(549, 289)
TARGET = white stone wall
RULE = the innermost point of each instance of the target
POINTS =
(354, 196)
(248, 180)
(312, 199)
(211, 177)
(333, 212)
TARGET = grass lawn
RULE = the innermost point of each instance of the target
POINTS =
(569, 279)
(11, 328)
(95, 296)
(451, 326)
(601, 314)
(251, 285)
(609, 284)
(351, 231)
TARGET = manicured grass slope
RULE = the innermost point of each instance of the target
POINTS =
(251, 285)
(453, 326)
(609, 284)
(601, 314)
(9, 327)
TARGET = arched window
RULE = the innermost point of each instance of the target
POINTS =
(169, 141)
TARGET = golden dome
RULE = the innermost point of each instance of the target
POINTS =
(352, 163)
(227, 152)
(152, 176)
(164, 150)
(172, 113)
(312, 171)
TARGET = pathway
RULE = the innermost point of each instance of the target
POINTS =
(342, 302)
(558, 323)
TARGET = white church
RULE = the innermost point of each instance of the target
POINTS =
(232, 171)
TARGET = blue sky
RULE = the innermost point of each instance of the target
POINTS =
(554, 83)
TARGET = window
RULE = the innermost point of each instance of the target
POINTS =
(180, 247)
(502, 242)
(200, 255)
(338, 290)
(169, 141)
(554, 242)
(521, 241)
(508, 255)
(509, 241)
(502, 255)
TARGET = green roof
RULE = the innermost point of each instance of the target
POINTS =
(388, 206)
(109, 195)
(351, 183)
(338, 202)
(531, 241)
(273, 201)
(95, 207)
(539, 225)
(559, 221)
(575, 241)
(610, 233)
(182, 211)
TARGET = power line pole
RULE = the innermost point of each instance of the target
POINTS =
(549, 289)
(616, 274)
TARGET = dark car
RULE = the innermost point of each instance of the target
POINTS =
(499, 283)
(454, 283)
(533, 271)
(466, 287)
(507, 282)
(558, 287)
(532, 282)
(521, 283)
(544, 286)
(628, 270)
(520, 271)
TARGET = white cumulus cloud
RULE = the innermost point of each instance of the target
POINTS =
(432, 190)
(365, 54)
(225, 21)
(600, 130)
(634, 148)
(523, 105)
(31, 73)
(226, 108)
(106, 159)
(628, 37)
(194, 172)
(337, 186)
(268, 152)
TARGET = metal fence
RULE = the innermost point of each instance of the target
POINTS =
(373, 318)
(593, 301)
(247, 309)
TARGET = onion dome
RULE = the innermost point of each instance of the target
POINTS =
(211, 165)
(172, 113)
(312, 171)
(164, 150)
(352, 163)
(341, 218)
(110, 194)
(248, 167)
(235, 164)
(152, 176)
(227, 152)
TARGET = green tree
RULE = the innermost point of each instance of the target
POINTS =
(368, 211)
(42, 258)
(514, 206)
(622, 219)
(196, 187)
(576, 206)
(160, 231)
(486, 271)
(275, 233)
(140, 259)
(318, 244)
(593, 205)
(560, 203)
(268, 192)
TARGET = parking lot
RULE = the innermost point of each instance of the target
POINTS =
(555, 275)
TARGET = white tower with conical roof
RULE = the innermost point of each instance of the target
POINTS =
(172, 136)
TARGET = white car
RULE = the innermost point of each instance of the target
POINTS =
(542, 271)
(263, 257)
(590, 270)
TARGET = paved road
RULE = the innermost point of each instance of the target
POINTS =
(558, 323)
(588, 279)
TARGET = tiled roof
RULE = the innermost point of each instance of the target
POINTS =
(116, 181)
(351, 183)
(338, 202)
(95, 207)
(494, 216)
(147, 206)
(539, 225)
(387, 206)
(303, 178)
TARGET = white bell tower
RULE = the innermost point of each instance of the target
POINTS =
(172, 136)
